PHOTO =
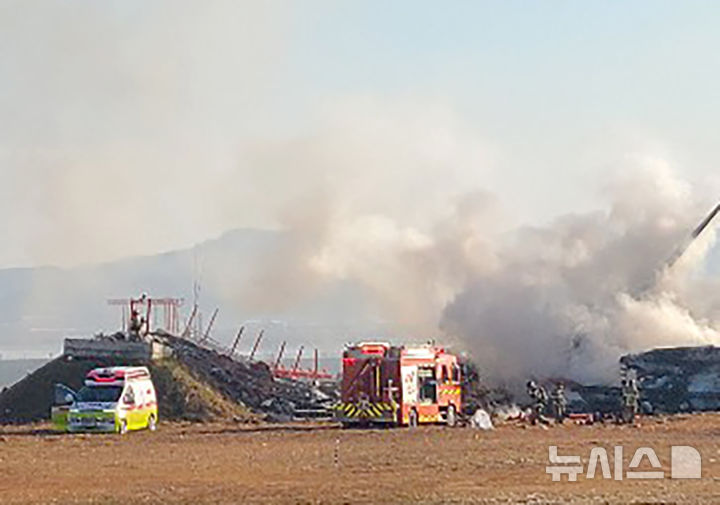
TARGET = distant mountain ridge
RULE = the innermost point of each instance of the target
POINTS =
(40, 306)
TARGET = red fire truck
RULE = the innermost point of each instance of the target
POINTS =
(399, 385)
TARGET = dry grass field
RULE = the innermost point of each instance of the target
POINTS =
(183, 463)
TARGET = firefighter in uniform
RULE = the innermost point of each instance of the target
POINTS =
(539, 397)
(135, 327)
(630, 399)
(559, 402)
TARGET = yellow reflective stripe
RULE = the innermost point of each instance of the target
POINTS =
(450, 391)
(368, 410)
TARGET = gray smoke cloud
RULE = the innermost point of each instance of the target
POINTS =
(561, 300)
(569, 298)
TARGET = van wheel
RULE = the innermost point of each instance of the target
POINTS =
(152, 423)
(413, 419)
(123, 429)
(451, 416)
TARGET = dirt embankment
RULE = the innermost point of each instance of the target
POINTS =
(196, 383)
(182, 395)
(30, 399)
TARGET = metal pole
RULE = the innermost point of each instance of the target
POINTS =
(176, 316)
(186, 331)
(237, 341)
(257, 343)
(315, 374)
(297, 360)
(210, 325)
(279, 356)
(148, 315)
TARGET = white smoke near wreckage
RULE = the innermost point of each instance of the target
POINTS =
(561, 300)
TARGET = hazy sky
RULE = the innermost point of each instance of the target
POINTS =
(130, 127)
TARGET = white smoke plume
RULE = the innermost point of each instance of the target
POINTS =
(568, 299)
(562, 300)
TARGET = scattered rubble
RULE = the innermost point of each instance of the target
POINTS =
(477, 394)
(600, 400)
(481, 420)
(507, 413)
(680, 379)
(671, 380)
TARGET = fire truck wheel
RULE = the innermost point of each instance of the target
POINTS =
(152, 423)
(413, 419)
(451, 416)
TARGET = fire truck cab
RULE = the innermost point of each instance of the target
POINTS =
(399, 385)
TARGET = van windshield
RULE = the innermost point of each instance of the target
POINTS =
(99, 394)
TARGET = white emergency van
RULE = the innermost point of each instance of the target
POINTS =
(118, 399)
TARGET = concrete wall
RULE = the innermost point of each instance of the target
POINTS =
(81, 348)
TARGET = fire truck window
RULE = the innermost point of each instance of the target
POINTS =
(428, 385)
(443, 374)
(456, 373)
